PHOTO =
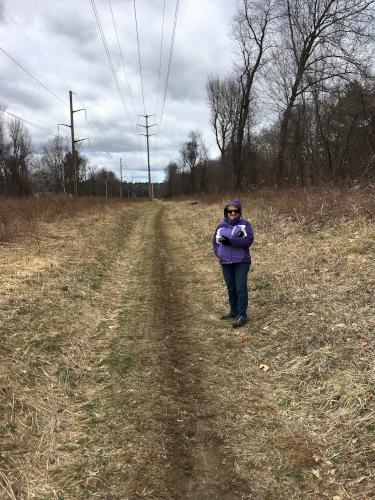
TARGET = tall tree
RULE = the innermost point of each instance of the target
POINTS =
(322, 40)
(223, 96)
(19, 153)
(251, 27)
(49, 167)
(171, 173)
(193, 152)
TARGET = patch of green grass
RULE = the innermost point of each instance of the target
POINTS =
(10, 428)
(278, 472)
(65, 375)
(297, 476)
(99, 459)
(120, 363)
(122, 229)
(371, 428)
(34, 362)
(48, 344)
(123, 319)
(261, 284)
(93, 409)
(284, 401)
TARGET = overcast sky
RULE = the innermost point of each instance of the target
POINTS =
(67, 35)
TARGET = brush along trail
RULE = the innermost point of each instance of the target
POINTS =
(119, 381)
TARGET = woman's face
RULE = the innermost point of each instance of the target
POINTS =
(232, 212)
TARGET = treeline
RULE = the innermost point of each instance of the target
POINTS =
(304, 68)
(26, 171)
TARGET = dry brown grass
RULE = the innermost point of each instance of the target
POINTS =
(310, 207)
(306, 427)
(23, 216)
(56, 322)
(88, 406)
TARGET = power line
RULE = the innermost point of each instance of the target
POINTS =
(36, 48)
(40, 53)
(170, 59)
(139, 57)
(98, 22)
(33, 77)
(160, 58)
(46, 130)
(122, 59)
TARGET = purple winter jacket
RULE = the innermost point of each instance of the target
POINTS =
(238, 250)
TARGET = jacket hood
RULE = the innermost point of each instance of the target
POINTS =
(234, 203)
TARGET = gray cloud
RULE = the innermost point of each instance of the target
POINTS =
(67, 35)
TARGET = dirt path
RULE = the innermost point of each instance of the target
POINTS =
(172, 443)
(197, 464)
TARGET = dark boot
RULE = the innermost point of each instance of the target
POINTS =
(240, 321)
(230, 315)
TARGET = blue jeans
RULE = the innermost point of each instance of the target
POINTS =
(235, 276)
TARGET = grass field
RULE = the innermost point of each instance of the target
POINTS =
(118, 380)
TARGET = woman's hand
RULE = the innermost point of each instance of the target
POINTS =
(224, 240)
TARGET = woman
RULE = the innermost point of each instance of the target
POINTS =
(231, 243)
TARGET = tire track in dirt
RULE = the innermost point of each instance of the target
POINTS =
(198, 467)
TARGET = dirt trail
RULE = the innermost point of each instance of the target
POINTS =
(172, 446)
(198, 468)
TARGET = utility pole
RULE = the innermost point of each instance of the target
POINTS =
(74, 162)
(120, 178)
(74, 141)
(147, 135)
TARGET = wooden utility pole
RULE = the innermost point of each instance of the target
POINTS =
(147, 135)
(74, 141)
(74, 162)
(120, 178)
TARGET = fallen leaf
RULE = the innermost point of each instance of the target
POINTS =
(241, 338)
(264, 367)
(317, 458)
(368, 397)
(316, 473)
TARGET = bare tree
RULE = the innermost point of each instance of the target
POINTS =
(251, 27)
(223, 97)
(171, 171)
(49, 166)
(323, 41)
(193, 152)
(19, 153)
(4, 153)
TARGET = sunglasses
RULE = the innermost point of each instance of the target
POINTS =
(233, 211)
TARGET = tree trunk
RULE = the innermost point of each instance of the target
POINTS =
(284, 131)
